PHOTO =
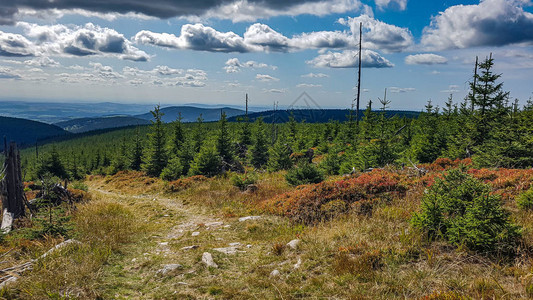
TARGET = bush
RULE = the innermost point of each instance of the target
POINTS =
(460, 209)
(173, 170)
(79, 185)
(305, 173)
(525, 200)
(319, 202)
(242, 181)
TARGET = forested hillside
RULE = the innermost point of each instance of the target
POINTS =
(190, 113)
(89, 124)
(27, 132)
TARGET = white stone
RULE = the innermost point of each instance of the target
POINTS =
(248, 246)
(190, 247)
(275, 273)
(214, 224)
(237, 244)
(298, 263)
(249, 218)
(228, 250)
(293, 244)
(168, 268)
(196, 233)
(207, 259)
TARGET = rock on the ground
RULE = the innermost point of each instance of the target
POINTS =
(207, 259)
(196, 233)
(228, 250)
(190, 247)
(275, 273)
(236, 244)
(168, 268)
(249, 218)
(298, 263)
(214, 224)
(293, 244)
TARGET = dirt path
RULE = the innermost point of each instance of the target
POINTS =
(167, 263)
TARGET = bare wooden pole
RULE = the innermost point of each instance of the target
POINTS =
(246, 113)
(474, 87)
(359, 74)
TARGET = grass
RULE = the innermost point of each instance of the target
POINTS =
(362, 252)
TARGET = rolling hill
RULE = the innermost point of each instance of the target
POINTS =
(315, 115)
(89, 124)
(27, 132)
(190, 114)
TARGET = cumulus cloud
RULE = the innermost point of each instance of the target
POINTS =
(380, 35)
(349, 59)
(14, 45)
(235, 10)
(266, 37)
(233, 65)
(62, 40)
(489, 23)
(258, 37)
(315, 75)
(196, 37)
(425, 59)
(42, 62)
(398, 4)
(265, 78)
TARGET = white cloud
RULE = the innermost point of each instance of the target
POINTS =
(322, 39)
(265, 78)
(251, 11)
(233, 65)
(425, 59)
(399, 4)
(308, 85)
(315, 75)
(196, 37)
(349, 59)
(451, 89)
(42, 62)
(489, 23)
(274, 91)
(8, 73)
(379, 35)
(12, 44)
(258, 37)
(90, 39)
(395, 89)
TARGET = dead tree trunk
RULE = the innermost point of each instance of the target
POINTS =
(11, 188)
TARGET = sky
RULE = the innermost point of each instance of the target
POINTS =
(215, 51)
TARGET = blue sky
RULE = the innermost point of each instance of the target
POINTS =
(213, 52)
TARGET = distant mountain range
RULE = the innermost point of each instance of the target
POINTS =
(191, 114)
(89, 124)
(316, 115)
(26, 132)
(53, 112)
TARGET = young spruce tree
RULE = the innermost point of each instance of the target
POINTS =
(156, 157)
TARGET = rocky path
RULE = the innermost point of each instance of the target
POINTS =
(190, 253)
